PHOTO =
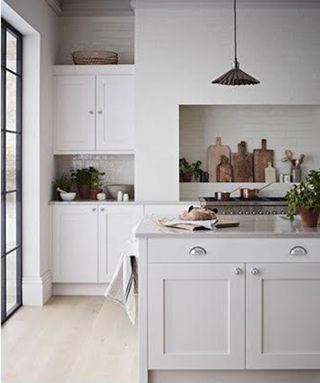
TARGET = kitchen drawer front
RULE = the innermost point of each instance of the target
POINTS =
(208, 250)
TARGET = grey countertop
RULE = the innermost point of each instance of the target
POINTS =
(131, 202)
(250, 227)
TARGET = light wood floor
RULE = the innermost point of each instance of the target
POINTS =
(70, 340)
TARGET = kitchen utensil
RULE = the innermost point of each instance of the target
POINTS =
(125, 188)
(67, 196)
(251, 194)
(261, 158)
(126, 197)
(242, 164)
(224, 170)
(224, 196)
(119, 195)
(270, 173)
(214, 154)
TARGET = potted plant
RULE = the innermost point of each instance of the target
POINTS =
(64, 183)
(305, 199)
(95, 183)
(85, 179)
(187, 170)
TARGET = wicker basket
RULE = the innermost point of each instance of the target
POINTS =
(94, 57)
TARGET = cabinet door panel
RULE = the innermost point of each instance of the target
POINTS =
(283, 310)
(74, 113)
(115, 230)
(115, 118)
(75, 250)
(196, 316)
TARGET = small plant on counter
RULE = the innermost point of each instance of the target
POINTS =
(87, 180)
(305, 199)
(187, 170)
(64, 183)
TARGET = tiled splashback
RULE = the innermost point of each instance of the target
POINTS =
(294, 127)
(118, 168)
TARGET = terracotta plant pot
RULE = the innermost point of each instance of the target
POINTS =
(187, 177)
(94, 193)
(84, 191)
(309, 217)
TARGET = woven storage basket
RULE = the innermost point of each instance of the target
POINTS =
(94, 57)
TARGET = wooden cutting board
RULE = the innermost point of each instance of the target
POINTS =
(261, 157)
(242, 163)
(214, 154)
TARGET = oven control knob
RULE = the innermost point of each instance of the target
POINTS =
(283, 212)
(223, 212)
(274, 212)
(267, 212)
(260, 212)
(231, 212)
(247, 212)
(240, 212)
(254, 212)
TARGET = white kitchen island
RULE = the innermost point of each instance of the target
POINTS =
(231, 305)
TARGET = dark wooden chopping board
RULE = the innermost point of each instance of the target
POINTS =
(214, 154)
(242, 164)
(261, 157)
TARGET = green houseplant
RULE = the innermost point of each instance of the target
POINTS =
(187, 170)
(64, 183)
(88, 181)
(305, 199)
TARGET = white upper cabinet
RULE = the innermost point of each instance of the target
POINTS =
(283, 310)
(115, 113)
(74, 113)
(94, 109)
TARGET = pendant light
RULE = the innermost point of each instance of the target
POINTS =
(235, 76)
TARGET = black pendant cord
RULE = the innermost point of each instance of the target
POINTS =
(236, 63)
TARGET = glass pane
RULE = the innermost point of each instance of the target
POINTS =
(11, 116)
(11, 279)
(11, 223)
(11, 171)
(11, 52)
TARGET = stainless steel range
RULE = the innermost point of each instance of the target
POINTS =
(261, 206)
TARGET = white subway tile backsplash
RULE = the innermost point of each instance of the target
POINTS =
(294, 127)
(118, 168)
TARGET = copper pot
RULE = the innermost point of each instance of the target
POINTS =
(224, 196)
(251, 194)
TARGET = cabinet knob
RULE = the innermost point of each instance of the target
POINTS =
(99, 111)
(94, 209)
(254, 271)
(91, 111)
(102, 209)
(237, 271)
(298, 251)
(197, 251)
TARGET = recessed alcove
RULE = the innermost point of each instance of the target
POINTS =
(294, 127)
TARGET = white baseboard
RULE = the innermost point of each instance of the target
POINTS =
(79, 288)
(36, 291)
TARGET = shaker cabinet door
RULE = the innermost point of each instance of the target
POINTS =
(196, 316)
(115, 236)
(115, 113)
(75, 248)
(74, 113)
(283, 311)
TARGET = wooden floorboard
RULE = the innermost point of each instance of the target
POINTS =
(70, 340)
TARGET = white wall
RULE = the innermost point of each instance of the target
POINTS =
(114, 33)
(39, 24)
(179, 50)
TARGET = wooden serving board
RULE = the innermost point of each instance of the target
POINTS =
(214, 154)
(261, 157)
(242, 163)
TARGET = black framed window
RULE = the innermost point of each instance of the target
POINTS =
(11, 170)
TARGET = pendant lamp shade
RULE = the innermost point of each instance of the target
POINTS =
(235, 76)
